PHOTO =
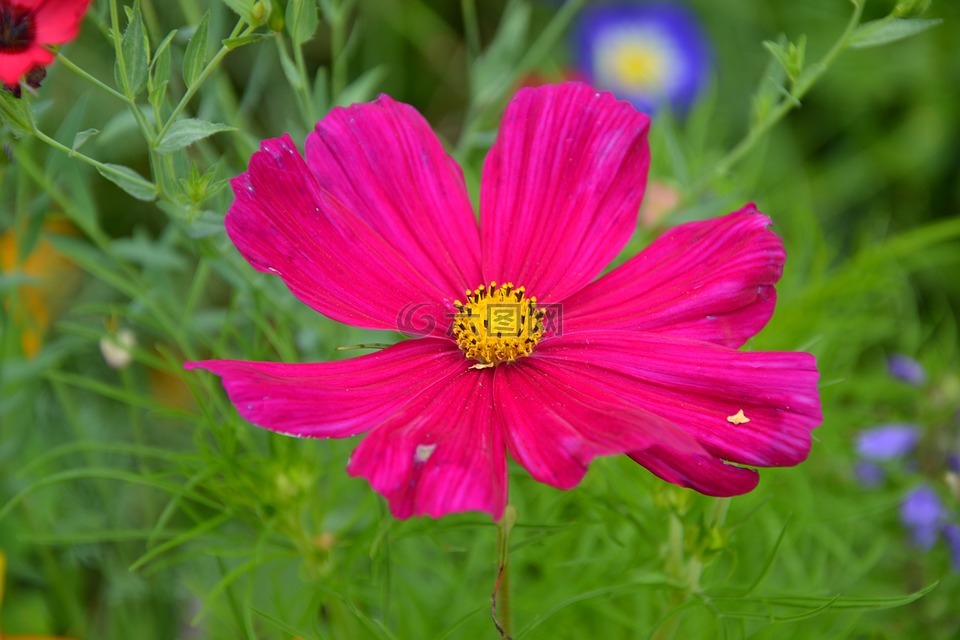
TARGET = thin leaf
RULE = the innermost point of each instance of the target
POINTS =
(301, 20)
(185, 132)
(130, 181)
(15, 113)
(880, 32)
(195, 57)
(81, 138)
(131, 68)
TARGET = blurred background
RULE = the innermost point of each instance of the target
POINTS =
(135, 503)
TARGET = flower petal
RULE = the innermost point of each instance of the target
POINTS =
(334, 399)
(283, 223)
(555, 423)
(384, 163)
(13, 66)
(711, 280)
(703, 388)
(561, 188)
(58, 21)
(441, 453)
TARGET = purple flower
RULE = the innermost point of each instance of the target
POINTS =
(906, 369)
(951, 533)
(870, 474)
(888, 441)
(652, 55)
(923, 513)
(953, 462)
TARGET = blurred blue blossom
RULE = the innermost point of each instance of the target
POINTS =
(870, 474)
(923, 514)
(951, 533)
(906, 369)
(650, 54)
(888, 442)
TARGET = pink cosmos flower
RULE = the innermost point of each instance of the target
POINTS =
(27, 27)
(524, 347)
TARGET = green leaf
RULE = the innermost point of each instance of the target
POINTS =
(160, 72)
(362, 89)
(133, 62)
(15, 113)
(82, 137)
(130, 181)
(250, 38)
(880, 32)
(495, 70)
(301, 20)
(195, 57)
(183, 133)
(244, 8)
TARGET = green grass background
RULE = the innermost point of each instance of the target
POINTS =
(132, 508)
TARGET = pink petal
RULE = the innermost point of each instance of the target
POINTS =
(710, 280)
(561, 188)
(706, 474)
(441, 453)
(701, 387)
(384, 163)
(13, 66)
(555, 423)
(283, 223)
(58, 21)
(335, 399)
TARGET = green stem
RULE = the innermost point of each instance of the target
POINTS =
(501, 588)
(100, 166)
(95, 81)
(471, 27)
(309, 108)
(786, 105)
(238, 31)
(338, 39)
(539, 49)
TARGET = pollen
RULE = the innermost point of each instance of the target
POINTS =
(497, 324)
(738, 418)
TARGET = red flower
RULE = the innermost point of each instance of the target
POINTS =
(27, 27)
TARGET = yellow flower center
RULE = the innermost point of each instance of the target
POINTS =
(640, 66)
(497, 324)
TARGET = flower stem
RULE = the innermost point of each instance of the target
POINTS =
(788, 104)
(501, 587)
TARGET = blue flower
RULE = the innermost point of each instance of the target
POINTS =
(651, 55)
(888, 442)
(870, 474)
(923, 514)
(951, 533)
(906, 369)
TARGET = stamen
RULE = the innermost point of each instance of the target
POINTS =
(510, 327)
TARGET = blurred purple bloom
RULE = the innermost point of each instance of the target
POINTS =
(923, 513)
(870, 474)
(951, 533)
(651, 54)
(906, 369)
(888, 441)
(953, 462)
